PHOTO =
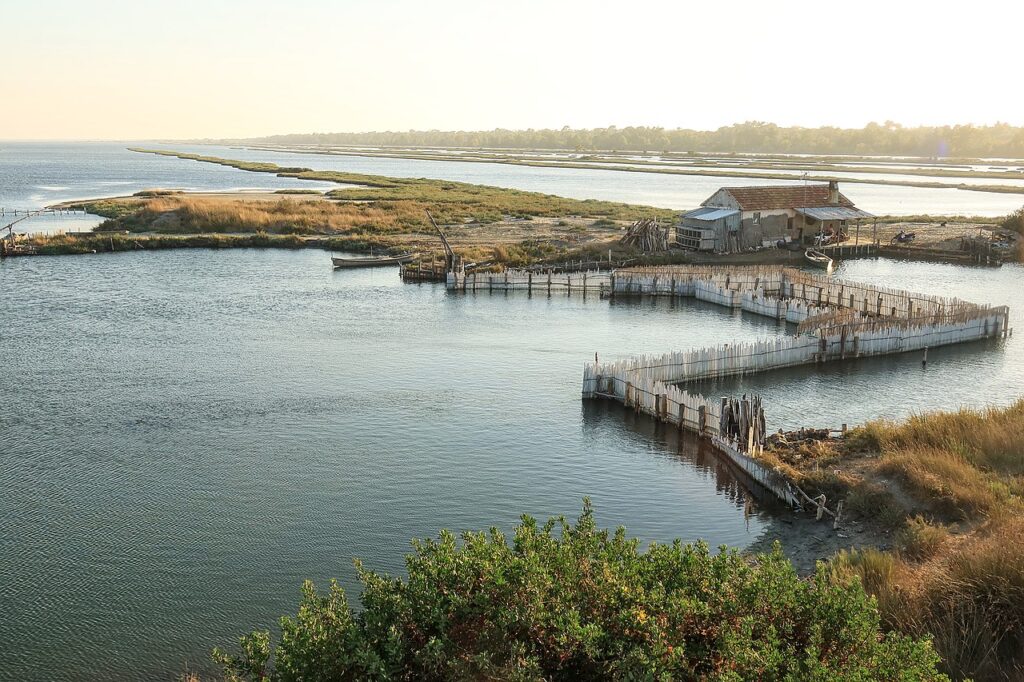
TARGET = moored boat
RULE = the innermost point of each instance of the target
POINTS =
(370, 261)
(818, 259)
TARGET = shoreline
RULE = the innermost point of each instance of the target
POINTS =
(940, 238)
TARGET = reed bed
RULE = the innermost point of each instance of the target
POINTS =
(958, 573)
(182, 214)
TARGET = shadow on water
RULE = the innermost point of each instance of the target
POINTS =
(685, 448)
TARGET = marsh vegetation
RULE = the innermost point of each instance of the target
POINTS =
(949, 487)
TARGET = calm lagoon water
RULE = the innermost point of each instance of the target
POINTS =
(188, 435)
(38, 174)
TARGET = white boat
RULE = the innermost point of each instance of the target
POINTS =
(370, 261)
(818, 259)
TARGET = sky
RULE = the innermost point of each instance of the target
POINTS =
(226, 68)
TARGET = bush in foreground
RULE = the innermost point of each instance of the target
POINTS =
(584, 603)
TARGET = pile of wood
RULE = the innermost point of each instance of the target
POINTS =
(743, 421)
(647, 236)
(792, 440)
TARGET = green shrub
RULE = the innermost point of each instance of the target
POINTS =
(563, 601)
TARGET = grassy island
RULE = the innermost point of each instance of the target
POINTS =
(362, 212)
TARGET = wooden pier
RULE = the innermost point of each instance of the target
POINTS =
(844, 251)
(424, 271)
(9, 243)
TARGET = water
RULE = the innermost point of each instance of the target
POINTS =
(33, 175)
(186, 436)
(797, 174)
(38, 174)
(654, 189)
(895, 386)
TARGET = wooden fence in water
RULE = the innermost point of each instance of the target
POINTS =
(530, 281)
(836, 320)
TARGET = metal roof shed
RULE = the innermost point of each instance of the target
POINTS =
(833, 213)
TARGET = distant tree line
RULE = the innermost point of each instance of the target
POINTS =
(888, 139)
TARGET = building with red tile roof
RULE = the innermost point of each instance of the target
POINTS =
(745, 218)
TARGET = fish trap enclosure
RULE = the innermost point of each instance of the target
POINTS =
(835, 320)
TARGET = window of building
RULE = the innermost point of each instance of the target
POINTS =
(757, 217)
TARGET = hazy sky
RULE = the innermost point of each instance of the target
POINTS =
(227, 68)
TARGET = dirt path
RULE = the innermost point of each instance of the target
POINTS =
(806, 541)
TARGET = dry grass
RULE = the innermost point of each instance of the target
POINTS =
(969, 596)
(969, 464)
(920, 539)
(965, 588)
(198, 214)
(451, 202)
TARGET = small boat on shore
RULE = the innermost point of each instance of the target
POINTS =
(818, 259)
(371, 261)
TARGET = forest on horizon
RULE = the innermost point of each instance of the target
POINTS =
(882, 139)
